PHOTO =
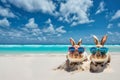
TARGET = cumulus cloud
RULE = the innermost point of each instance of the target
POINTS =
(76, 12)
(48, 21)
(31, 23)
(58, 35)
(60, 29)
(110, 33)
(4, 22)
(73, 12)
(116, 15)
(15, 33)
(49, 29)
(34, 5)
(32, 28)
(116, 34)
(5, 12)
(31, 32)
(100, 8)
(52, 30)
(110, 26)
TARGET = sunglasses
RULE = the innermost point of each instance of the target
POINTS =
(102, 50)
(80, 49)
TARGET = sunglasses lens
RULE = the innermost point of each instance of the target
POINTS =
(71, 49)
(103, 50)
(93, 50)
(80, 49)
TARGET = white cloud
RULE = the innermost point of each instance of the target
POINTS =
(15, 33)
(36, 32)
(60, 18)
(76, 12)
(32, 28)
(58, 35)
(60, 29)
(110, 26)
(116, 34)
(74, 24)
(12, 34)
(73, 12)
(110, 33)
(34, 5)
(118, 24)
(48, 21)
(31, 23)
(5, 12)
(49, 29)
(116, 15)
(31, 32)
(52, 30)
(100, 8)
(4, 22)
(22, 35)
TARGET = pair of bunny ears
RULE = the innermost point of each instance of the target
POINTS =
(97, 42)
(73, 42)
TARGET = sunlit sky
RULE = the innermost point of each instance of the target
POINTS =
(55, 21)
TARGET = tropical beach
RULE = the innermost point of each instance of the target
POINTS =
(43, 64)
(37, 67)
(59, 40)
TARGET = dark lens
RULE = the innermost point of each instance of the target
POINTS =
(93, 50)
(80, 49)
(71, 49)
(103, 50)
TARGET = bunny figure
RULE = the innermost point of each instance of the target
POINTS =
(76, 53)
(99, 54)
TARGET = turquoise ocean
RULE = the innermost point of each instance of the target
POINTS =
(46, 49)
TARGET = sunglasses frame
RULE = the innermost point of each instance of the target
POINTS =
(99, 49)
(80, 52)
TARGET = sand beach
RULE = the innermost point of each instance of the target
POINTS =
(41, 67)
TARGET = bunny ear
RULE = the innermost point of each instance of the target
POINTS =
(103, 40)
(72, 41)
(80, 42)
(95, 40)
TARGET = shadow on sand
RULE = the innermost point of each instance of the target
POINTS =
(79, 66)
(98, 68)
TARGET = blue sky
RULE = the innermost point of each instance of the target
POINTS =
(55, 21)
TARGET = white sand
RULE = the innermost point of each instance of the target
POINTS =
(40, 67)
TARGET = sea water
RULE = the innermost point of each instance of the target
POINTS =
(47, 49)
